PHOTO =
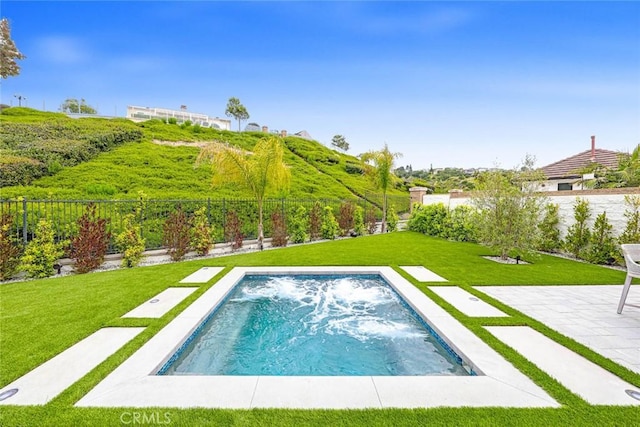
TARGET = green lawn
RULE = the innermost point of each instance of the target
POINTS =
(41, 318)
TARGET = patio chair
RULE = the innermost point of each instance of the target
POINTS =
(631, 254)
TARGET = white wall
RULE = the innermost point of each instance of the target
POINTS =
(613, 204)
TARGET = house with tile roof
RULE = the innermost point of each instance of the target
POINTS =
(565, 174)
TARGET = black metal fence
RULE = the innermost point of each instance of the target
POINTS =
(152, 214)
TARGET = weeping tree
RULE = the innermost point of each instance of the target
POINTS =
(378, 166)
(259, 171)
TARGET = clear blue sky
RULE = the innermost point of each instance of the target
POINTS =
(466, 84)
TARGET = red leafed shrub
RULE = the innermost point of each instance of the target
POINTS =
(345, 217)
(89, 246)
(10, 250)
(279, 237)
(177, 234)
(315, 221)
(233, 230)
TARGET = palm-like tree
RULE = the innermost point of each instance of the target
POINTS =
(259, 171)
(378, 165)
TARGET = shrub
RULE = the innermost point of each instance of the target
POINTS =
(460, 225)
(42, 252)
(578, 234)
(429, 219)
(345, 217)
(392, 220)
(631, 232)
(202, 233)
(299, 225)
(90, 245)
(550, 233)
(130, 241)
(315, 221)
(358, 221)
(172, 121)
(371, 221)
(329, 228)
(602, 245)
(233, 230)
(10, 249)
(279, 226)
(176, 234)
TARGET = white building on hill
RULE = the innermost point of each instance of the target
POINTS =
(140, 114)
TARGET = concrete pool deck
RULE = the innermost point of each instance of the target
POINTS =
(134, 382)
(584, 313)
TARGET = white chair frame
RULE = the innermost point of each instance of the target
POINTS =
(631, 254)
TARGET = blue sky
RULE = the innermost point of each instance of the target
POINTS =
(466, 84)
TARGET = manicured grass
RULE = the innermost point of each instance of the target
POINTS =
(41, 318)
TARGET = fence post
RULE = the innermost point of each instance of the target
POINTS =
(209, 209)
(224, 220)
(24, 221)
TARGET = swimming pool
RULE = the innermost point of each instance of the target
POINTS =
(314, 324)
(135, 383)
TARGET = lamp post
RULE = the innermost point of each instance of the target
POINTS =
(20, 98)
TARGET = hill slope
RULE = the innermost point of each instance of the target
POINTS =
(120, 170)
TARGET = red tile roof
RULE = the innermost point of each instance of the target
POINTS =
(568, 167)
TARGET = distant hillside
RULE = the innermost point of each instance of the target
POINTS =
(44, 155)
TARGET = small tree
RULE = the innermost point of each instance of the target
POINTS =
(631, 232)
(315, 221)
(9, 53)
(602, 245)
(379, 166)
(89, 246)
(340, 142)
(10, 249)
(236, 110)
(358, 221)
(549, 232)
(279, 226)
(371, 221)
(202, 233)
(578, 234)
(509, 210)
(130, 241)
(330, 228)
(299, 225)
(392, 220)
(259, 172)
(177, 234)
(42, 252)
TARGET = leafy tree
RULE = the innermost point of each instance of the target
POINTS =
(9, 53)
(550, 233)
(278, 224)
(202, 239)
(340, 142)
(578, 234)
(378, 165)
(130, 241)
(72, 105)
(629, 168)
(299, 225)
(236, 110)
(602, 245)
(631, 233)
(358, 221)
(509, 210)
(330, 228)
(392, 220)
(315, 221)
(259, 172)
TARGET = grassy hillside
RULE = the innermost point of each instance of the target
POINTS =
(120, 170)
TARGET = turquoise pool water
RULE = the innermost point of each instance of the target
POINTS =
(329, 325)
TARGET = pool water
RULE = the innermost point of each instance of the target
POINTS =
(313, 325)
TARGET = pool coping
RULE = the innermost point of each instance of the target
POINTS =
(134, 382)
